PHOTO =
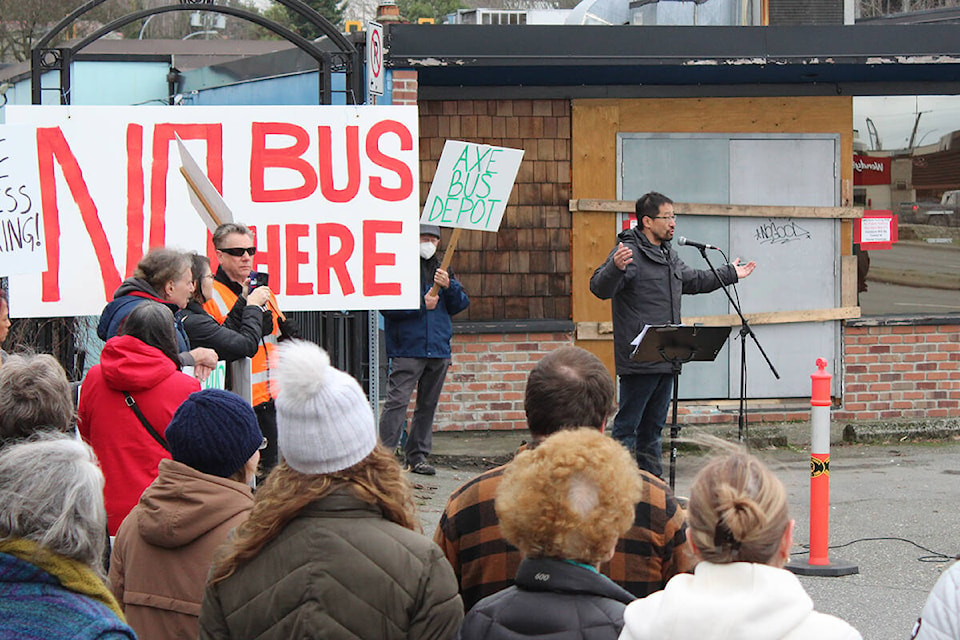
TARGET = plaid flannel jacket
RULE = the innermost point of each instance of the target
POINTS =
(651, 552)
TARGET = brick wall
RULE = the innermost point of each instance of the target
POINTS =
(898, 371)
(404, 87)
(901, 371)
(486, 382)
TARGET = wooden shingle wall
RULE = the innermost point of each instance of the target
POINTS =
(523, 271)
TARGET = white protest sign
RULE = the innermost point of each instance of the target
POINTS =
(22, 248)
(472, 185)
(331, 191)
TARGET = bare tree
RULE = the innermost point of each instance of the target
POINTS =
(25, 21)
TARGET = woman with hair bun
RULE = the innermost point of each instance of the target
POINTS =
(741, 530)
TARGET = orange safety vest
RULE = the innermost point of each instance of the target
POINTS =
(219, 306)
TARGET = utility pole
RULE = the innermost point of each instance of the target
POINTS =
(913, 134)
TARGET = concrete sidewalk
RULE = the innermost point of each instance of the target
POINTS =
(492, 448)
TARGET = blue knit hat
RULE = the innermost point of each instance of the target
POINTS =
(215, 432)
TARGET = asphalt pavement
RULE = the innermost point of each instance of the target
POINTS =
(893, 513)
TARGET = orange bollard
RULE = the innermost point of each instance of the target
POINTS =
(820, 465)
(818, 563)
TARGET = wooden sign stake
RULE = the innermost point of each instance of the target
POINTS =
(447, 256)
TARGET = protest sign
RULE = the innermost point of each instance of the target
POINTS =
(331, 192)
(21, 224)
(472, 185)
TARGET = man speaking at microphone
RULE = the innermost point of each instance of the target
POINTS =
(645, 278)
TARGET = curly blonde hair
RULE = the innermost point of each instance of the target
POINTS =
(738, 510)
(571, 497)
(377, 480)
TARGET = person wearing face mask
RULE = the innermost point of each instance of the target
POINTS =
(418, 346)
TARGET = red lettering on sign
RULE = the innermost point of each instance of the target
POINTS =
(377, 190)
(163, 135)
(295, 258)
(262, 158)
(135, 197)
(268, 260)
(52, 145)
(337, 262)
(373, 259)
(330, 192)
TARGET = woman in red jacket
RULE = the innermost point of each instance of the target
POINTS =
(142, 361)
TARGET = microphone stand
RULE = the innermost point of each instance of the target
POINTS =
(745, 330)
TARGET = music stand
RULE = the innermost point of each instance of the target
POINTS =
(677, 344)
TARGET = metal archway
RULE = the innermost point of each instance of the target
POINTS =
(345, 59)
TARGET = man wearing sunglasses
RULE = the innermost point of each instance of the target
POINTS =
(235, 247)
(644, 277)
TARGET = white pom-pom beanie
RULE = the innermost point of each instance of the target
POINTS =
(324, 421)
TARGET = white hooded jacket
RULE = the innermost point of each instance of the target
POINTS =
(940, 618)
(741, 600)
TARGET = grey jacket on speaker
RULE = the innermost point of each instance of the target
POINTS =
(648, 292)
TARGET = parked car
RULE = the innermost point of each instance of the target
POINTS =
(945, 213)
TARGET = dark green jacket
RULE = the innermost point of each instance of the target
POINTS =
(337, 571)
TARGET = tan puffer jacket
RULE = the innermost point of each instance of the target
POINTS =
(338, 571)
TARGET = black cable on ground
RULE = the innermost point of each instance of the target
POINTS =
(935, 556)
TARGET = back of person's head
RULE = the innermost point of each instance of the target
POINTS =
(737, 511)
(228, 228)
(327, 436)
(51, 493)
(160, 266)
(568, 387)
(215, 432)
(649, 205)
(34, 395)
(571, 497)
(153, 323)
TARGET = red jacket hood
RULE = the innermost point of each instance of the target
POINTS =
(129, 364)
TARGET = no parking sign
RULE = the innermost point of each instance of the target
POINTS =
(374, 59)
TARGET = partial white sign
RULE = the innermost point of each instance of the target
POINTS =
(22, 247)
(472, 185)
(331, 191)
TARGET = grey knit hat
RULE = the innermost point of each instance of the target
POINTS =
(324, 420)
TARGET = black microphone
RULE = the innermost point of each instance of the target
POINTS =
(694, 243)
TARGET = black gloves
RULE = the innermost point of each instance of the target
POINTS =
(266, 325)
(289, 329)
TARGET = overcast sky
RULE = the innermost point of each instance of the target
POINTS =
(894, 117)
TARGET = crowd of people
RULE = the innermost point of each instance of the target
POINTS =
(141, 514)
